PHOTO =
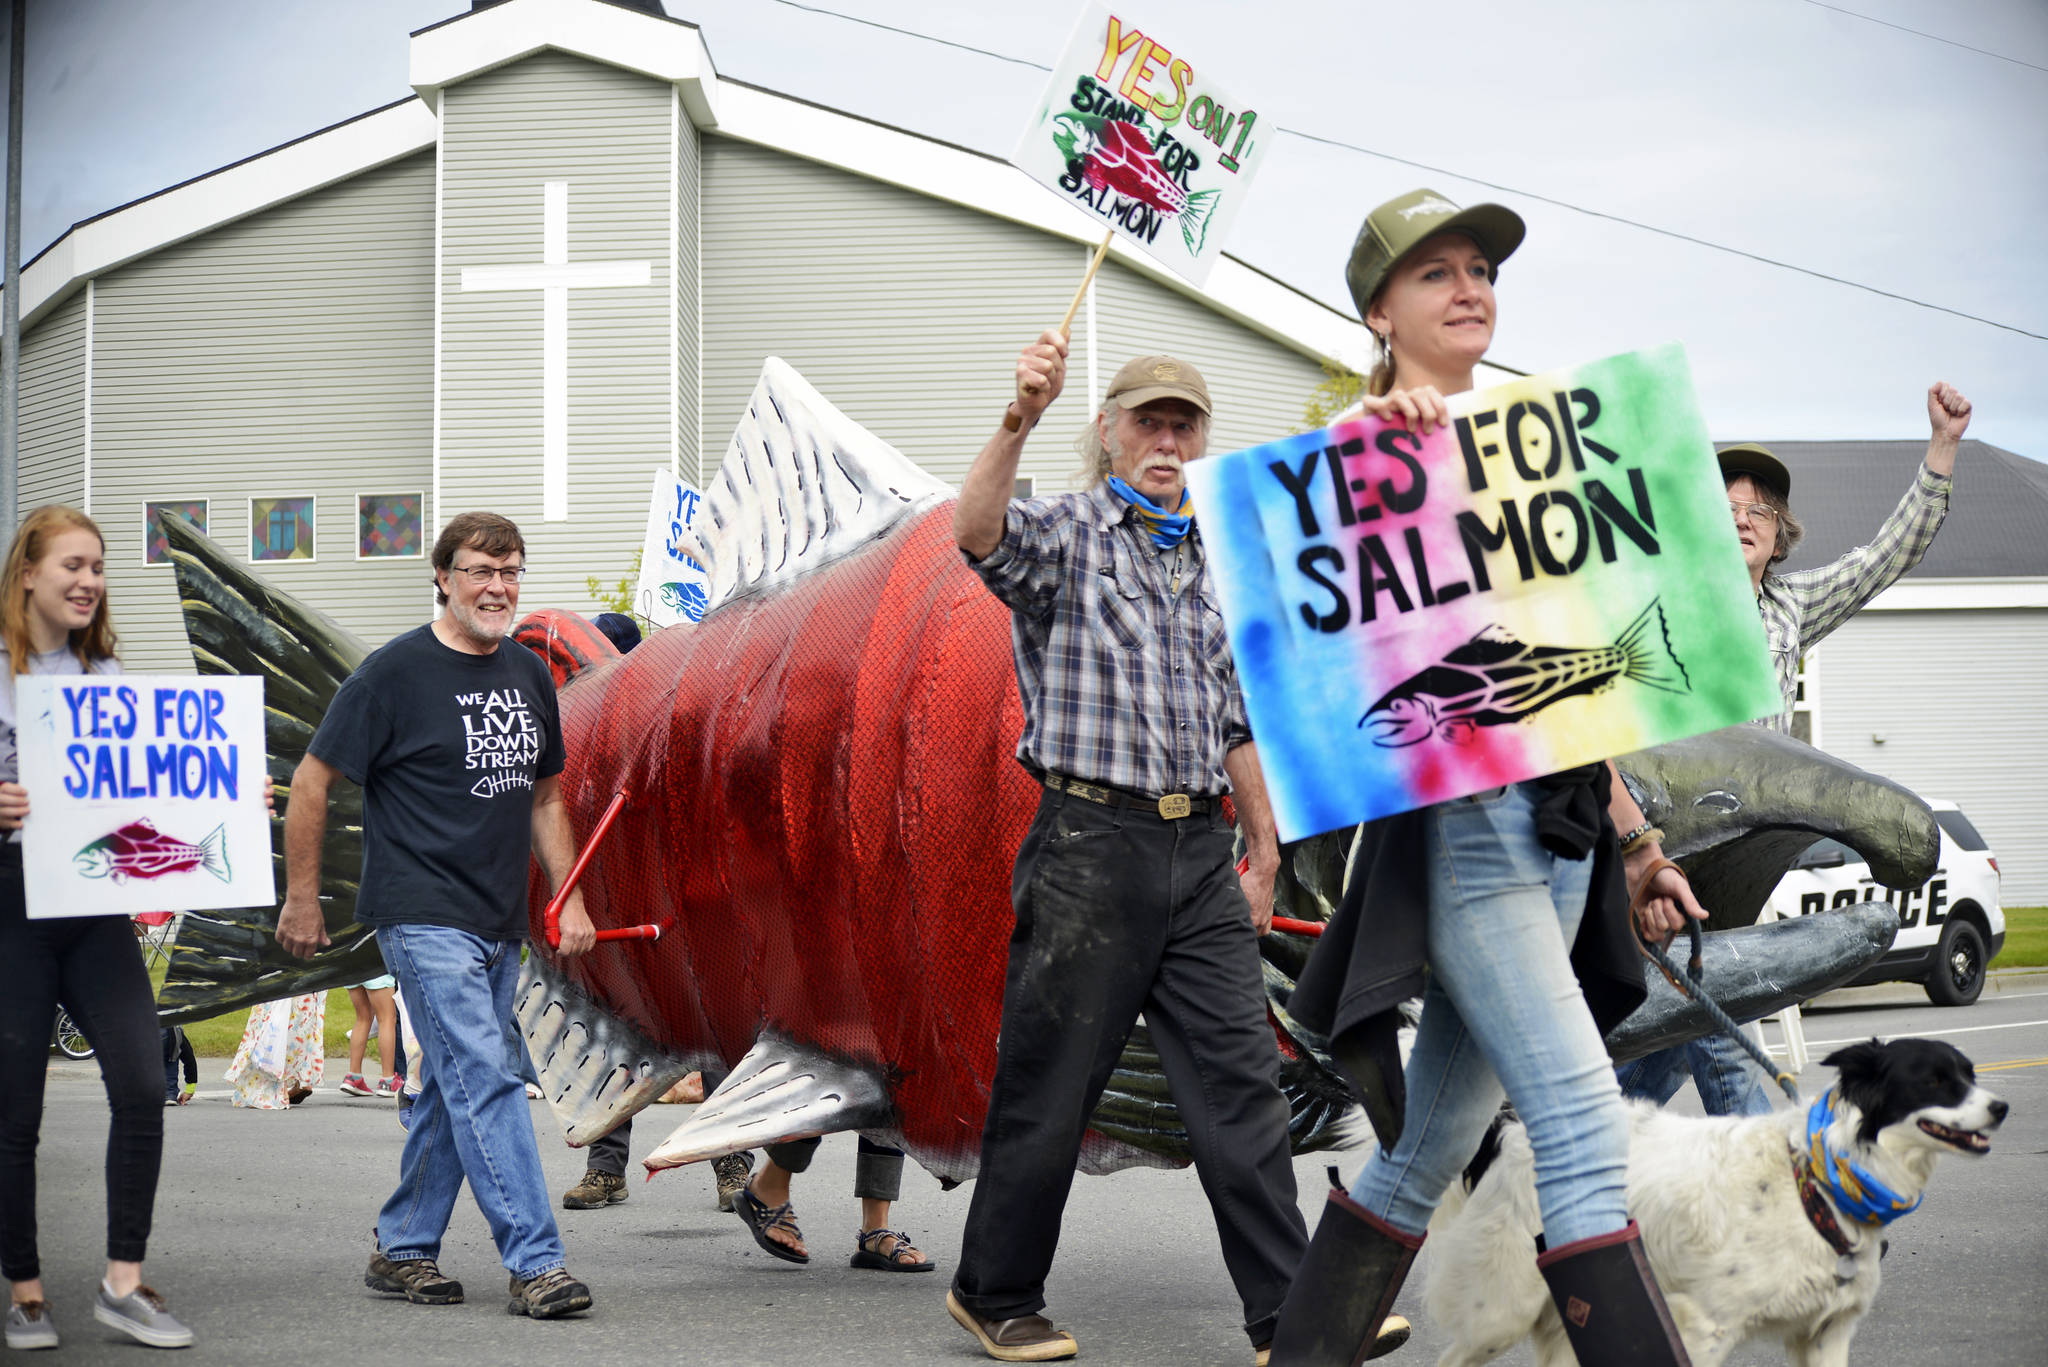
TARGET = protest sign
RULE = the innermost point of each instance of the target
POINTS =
(1134, 134)
(145, 793)
(673, 587)
(1552, 579)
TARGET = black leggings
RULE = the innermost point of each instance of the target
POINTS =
(93, 967)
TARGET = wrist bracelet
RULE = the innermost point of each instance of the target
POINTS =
(1645, 834)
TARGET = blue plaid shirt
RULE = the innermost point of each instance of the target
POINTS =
(1124, 682)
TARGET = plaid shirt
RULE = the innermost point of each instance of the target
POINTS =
(1124, 682)
(1800, 609)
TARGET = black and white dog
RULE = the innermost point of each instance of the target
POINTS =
(1760, 1226)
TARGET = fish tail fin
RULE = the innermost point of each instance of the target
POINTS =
(1194, 219)
(1651, 661)
(213, 854)
(237, 623)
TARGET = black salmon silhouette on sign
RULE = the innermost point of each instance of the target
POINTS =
(1494, 679)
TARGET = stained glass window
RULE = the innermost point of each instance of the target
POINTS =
(388, 526)
(281, 528)
(154, 549)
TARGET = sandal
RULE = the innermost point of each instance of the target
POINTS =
(897, 1259)
(761, 1217)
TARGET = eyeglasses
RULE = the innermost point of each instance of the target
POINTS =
(481, 575)
(1763, 514)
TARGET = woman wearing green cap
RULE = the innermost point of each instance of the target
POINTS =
(1513, 898)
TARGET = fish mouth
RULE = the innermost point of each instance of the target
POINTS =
(1969, 1141)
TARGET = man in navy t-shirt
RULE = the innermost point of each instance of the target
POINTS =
(457, 745)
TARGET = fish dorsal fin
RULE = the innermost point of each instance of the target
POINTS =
(802, 486)
(1490, 646)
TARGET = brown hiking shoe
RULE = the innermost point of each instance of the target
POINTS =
(548, 1296)
(731, 1172)
(596, 1191)
(416, 1279)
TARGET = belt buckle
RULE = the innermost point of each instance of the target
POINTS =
(1174, 806)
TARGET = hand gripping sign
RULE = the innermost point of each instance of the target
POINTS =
(145, 793)
(1132, 133)
(1552, 579)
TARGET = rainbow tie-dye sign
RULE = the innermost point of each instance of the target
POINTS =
(1552, 579)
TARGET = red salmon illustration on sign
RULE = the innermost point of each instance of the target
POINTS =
(1119, 156)
(139, 850)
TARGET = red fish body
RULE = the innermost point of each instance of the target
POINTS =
(1122, 160)
(139, 850)
(825, 798)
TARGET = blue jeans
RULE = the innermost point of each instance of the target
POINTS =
(471, 1119)
(1728, 1081)
(1503, 1008)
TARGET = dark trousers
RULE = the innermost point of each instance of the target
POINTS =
(877, 1168)
(91, 965)
(1120, 911)
(177, 1051)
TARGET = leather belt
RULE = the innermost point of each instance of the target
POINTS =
(1171, 807)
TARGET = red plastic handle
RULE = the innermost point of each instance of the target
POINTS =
(553, 918)
(1286, 923)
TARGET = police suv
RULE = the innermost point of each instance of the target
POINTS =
(1950, 927)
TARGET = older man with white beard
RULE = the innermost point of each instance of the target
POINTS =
(1125, 895)
(457, 745)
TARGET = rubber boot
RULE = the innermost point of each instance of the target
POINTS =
(1344, 1289)
(1613, 1312)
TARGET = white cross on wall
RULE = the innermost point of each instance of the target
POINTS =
(554, 278)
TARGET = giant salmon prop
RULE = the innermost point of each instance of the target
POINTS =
(822, 807)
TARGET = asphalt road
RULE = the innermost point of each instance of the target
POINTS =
(264, 1226)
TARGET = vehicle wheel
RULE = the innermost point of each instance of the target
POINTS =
(71, 1041)
(1958, 976)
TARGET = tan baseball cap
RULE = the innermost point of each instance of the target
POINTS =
(1760, 464)
(1151, 378)
(1401, 225)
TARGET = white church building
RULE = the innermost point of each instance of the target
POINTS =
(558, 265)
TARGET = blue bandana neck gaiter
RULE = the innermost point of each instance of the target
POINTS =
(1166, 529)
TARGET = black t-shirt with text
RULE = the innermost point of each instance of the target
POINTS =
(447, 747)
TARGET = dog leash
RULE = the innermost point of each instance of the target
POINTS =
(1688, 984)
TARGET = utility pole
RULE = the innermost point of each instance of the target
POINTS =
(10, 311)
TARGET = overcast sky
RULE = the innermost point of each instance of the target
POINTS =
(1789, 129)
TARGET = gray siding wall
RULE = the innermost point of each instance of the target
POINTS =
(288, 353)
(689, 268)
(505, 133)
(53, 408)
(908, 313)
(1958, 697)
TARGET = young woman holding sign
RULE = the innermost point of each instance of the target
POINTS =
(54, 620)
(1513, 898)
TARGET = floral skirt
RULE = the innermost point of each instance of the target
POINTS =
(283, 1049)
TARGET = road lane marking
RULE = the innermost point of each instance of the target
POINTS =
(1924, 1034)
(2011, 1064)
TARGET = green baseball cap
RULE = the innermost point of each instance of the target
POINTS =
(1400, 225)
(1748, 458)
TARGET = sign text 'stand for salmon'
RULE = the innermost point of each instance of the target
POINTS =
(1551, 579)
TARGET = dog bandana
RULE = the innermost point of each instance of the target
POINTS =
(1856, 1193)
(1167, 529)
